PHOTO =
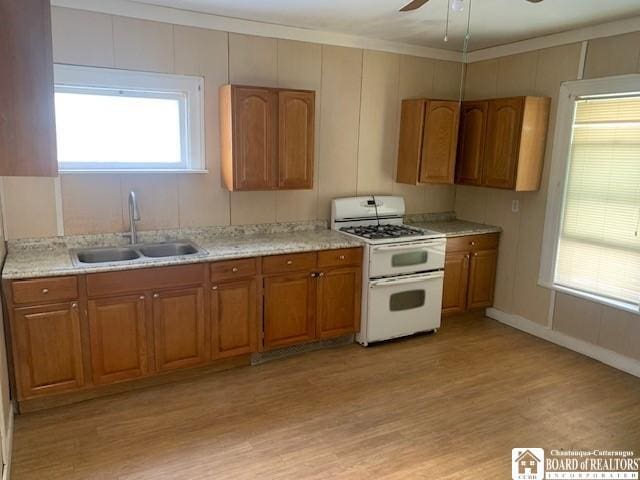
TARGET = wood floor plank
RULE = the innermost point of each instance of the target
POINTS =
(444, 406)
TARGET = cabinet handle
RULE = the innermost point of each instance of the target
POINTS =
(314, 274)
(45, 291)
(234, 269)
(215, 287)
(289, 262)
(141, 297)
(156, 295)
(321, 274)
(74, 305)
(341, 257)
(475, 254)
(473, 244)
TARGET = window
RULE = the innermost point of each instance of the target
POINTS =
(597, 238)
(117, 120)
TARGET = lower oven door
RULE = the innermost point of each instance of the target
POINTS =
(404, 305)
(405, 258)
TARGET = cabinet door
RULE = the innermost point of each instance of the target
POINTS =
(179, 328)
(473, 126)
(503, 142)
(254, 138)
(456, 275)
(440, 141)
(27, 123)
(410, 142)
(118, 333)
(339, 298)
(48, 350)
(482, 278)
(234, 318)
(289, 309)
(296, 139)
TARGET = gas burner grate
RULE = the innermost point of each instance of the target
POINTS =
(376, 232)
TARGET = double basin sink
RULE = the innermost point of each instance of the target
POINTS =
(178, 248)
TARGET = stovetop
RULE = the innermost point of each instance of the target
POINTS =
(384, 231)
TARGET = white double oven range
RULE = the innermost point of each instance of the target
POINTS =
(403, 267)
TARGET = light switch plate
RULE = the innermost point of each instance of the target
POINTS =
(515, 206)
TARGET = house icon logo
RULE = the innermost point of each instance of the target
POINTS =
(527, 463)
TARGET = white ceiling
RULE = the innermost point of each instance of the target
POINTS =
(493, 22)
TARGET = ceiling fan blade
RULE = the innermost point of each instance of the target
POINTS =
(413, 5)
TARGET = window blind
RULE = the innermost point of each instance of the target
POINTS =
(599, 244)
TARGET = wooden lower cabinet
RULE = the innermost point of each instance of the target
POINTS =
(234, 318)
(469, 273)
(77, 333)
(179, 328)
(456, 279)
(339, 299)
(289, 309)
(47, 349)
(118, 336)
(482, 278)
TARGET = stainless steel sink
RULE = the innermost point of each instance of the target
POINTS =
(172, 249)
(135, 252)
(104, 255)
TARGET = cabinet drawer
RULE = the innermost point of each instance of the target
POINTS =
(230, 269)
(487, 241)
(340, 257)
(144, 279)
(45, 289)
(289, 263)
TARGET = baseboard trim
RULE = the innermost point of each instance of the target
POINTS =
(8, 445)
(606, 356)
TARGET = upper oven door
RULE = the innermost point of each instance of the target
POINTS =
(404, 258)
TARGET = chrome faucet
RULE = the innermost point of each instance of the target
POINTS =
(134, 216)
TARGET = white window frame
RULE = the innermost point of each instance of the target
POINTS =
(569, 92)
(187, 89)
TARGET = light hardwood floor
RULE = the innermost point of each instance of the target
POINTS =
(444, 406)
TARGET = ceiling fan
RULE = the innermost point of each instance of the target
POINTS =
(415, 4)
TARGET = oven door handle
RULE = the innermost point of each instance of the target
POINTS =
(408, 246)
(386, 282)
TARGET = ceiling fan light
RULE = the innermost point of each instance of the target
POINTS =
(457, 5)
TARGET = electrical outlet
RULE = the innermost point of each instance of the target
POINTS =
(515, 206)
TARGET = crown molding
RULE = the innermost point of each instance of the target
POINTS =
(134, 9)
(129, 8)
(608, 29)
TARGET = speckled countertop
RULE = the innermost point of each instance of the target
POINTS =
(50, 257)
(449, 225)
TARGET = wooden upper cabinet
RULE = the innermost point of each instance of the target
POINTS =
(47, 349)
(118, 334)
(266, 138)
(254, 112)
(428, 141)
(502, 142)
(296, 126)
(27, 122)
(471, 137)
(439, 142)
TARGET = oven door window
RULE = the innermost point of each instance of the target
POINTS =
(409, 258)
(406, 300)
